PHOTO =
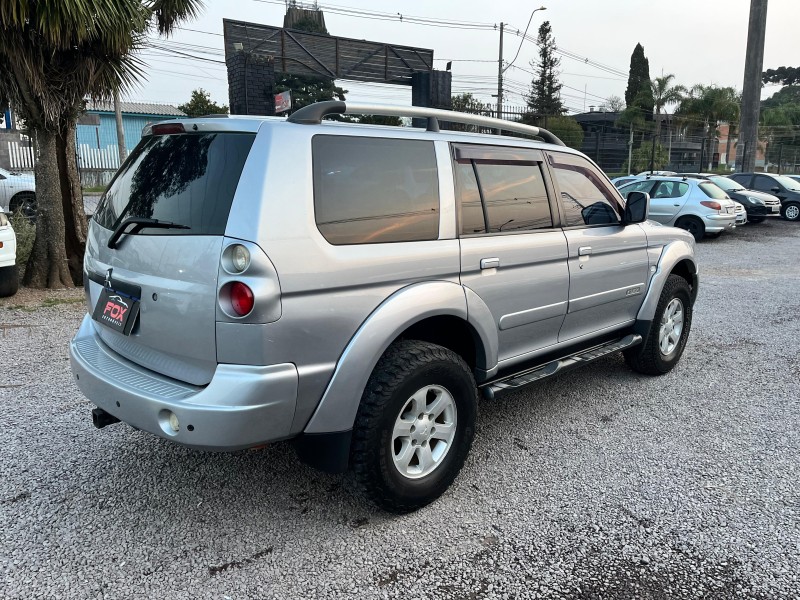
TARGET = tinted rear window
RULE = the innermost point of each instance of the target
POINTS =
(373, 190)
(188, 179)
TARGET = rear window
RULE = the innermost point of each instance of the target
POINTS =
(713, 191)
(374, 190)
(188, 179)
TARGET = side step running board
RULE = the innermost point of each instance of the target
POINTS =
(517, 380)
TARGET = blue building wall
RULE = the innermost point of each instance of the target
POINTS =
(105, 135)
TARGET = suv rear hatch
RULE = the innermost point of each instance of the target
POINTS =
(175, 193)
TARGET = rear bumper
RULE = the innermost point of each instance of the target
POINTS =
(717, 222)
(242, 406)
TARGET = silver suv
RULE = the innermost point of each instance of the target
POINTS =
(354, 288)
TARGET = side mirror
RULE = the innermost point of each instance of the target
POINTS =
(637, 207)
(775, 189)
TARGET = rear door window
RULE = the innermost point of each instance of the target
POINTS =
(375, 190)
(188, 179)
(587, 198)
(500, 190)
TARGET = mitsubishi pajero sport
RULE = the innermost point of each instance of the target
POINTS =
(355, 288)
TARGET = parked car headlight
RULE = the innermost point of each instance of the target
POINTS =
(756, 201)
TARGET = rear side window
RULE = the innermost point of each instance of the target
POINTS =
(712, 191)
(586, 197)
(514, 197)
(671, 189)
(374, 190)
(188, 179)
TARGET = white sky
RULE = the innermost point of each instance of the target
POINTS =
(700, 41)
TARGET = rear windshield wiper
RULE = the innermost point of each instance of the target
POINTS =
(140, 223)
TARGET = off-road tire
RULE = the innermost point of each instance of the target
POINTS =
(9, 281)
(646, 358)
(405, 367)
(791, 211)
(693, 225)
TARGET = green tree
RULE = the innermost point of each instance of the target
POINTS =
(664, 94)
(640, 159)
(782, 75)
(567, 130)
(53, 55)
(709, 104)
(786, 96)
(544, 98)
(468, 103)
(639, 91)
(200, 104)
(380, 120)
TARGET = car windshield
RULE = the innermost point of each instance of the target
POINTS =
(788, 183)
(729, 185)
(712, 191)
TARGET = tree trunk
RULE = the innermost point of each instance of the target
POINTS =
(72, 201)
(47, 266)
(123, 151)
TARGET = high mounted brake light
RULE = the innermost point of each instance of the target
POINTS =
(167, 129)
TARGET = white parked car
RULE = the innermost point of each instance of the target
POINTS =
(18, 192)
(9, 279)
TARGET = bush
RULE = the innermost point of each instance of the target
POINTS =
(26, 233)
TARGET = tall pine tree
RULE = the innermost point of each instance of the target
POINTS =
(545, 98)
(639, 93)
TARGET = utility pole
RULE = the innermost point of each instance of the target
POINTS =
(751, 88)
(500, 78)
(123, 152)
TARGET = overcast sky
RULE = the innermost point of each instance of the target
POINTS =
(700, 41)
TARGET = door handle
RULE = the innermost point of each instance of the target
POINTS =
(490, 263)
(584, 251)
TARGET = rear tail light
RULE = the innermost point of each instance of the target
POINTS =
(711, 204)
(242, 299)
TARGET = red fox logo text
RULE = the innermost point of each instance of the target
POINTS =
(115, 310)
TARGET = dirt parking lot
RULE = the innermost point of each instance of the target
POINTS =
(596, 484)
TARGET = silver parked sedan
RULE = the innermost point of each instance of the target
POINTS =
(696, 205)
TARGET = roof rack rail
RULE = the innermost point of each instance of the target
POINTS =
(313, 114)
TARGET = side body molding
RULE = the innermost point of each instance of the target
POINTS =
(672, 254)
(339, 404)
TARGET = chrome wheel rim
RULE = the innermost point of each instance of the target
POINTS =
(424, 431)
(792, 212)
(669, 333)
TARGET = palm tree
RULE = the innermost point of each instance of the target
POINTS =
(665, 94)
(710, 104)
(53, 55)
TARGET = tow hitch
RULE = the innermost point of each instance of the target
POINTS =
(101, 418)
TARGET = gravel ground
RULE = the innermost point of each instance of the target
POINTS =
(596, 484)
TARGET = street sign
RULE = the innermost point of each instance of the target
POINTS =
(283, 101)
